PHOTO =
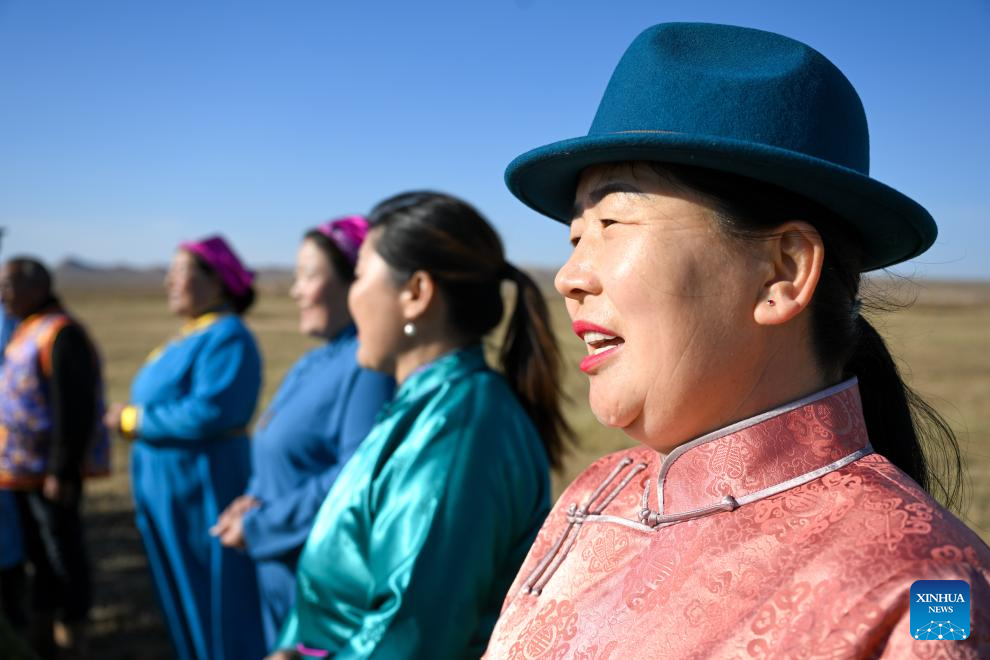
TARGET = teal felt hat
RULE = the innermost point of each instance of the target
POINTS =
(738, 100)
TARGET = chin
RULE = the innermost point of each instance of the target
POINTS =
(309, 331)
(611, 413)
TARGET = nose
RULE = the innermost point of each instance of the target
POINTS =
(576, 278)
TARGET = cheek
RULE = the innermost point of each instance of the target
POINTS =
(650, 278)
(572, 307)
(315, 295)
(362, 305)
(657, 303)
(378, 335)
(180, 292)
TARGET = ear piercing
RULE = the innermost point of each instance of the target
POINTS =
(409, 330)
(771, 302)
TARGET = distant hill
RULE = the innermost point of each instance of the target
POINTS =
(75, 274)
(78, 274)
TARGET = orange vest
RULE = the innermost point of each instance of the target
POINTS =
(26, 418)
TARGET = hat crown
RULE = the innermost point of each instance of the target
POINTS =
(744, 102)
(736, 83)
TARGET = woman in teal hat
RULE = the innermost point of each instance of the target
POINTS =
(779, 505)
(418, 539)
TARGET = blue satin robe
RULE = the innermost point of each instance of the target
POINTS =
(322, 411)
(421, 535)
(191, 458)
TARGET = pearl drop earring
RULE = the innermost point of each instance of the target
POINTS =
(409, 330)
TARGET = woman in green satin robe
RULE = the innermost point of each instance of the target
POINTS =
(422, 533)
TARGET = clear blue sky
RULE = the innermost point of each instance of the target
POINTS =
(127, 125)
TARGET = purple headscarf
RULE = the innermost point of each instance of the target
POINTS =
(347, 234)
(221, 258)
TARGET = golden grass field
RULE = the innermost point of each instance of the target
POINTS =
(942, 341)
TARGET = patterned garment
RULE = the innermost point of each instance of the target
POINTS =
(782, 536)
(11, 547)
(26, 417)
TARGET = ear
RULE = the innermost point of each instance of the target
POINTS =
(417, 294)
(796, 255)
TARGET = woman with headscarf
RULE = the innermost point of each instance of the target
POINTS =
(720, 214)
(190, 405)
(417, 541)
(322, 411)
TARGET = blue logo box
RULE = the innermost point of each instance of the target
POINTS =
(940, 609)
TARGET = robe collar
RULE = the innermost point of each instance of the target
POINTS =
(723, 470)
(447, 368)
(760, 456)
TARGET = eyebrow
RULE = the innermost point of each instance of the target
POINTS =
(603, 191)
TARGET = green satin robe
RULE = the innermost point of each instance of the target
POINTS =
(417, 542)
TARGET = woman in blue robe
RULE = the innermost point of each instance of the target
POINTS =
(420, 537)
(190, 405)
(322, 411)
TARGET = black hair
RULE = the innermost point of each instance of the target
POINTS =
(901, 425)
(450, 240)
(239, 303)
(341, 266)
(34, 273)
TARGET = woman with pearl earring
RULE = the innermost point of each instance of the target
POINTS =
(416, 544)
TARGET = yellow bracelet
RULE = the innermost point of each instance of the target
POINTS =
(129, 417)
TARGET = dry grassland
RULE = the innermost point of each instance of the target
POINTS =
(942, 341)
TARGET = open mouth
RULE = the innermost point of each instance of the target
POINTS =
(600, 342)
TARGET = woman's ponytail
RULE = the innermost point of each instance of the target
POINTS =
(531, 362)
(901, 425)
(424, 230)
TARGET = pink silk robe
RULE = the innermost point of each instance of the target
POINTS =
(782, 536)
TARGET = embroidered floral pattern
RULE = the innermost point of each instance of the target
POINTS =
(643, 586)
(819, 570)
(547, 634)
(593, 652)
(604, 551)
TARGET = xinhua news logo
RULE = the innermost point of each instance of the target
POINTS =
(940, 609)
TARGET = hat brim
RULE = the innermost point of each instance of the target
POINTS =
(892, 226)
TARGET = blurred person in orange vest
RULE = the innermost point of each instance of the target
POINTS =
(50, 437)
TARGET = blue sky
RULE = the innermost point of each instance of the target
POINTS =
(127, 125)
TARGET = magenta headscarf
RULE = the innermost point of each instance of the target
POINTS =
(219, 256)
(347, 234)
